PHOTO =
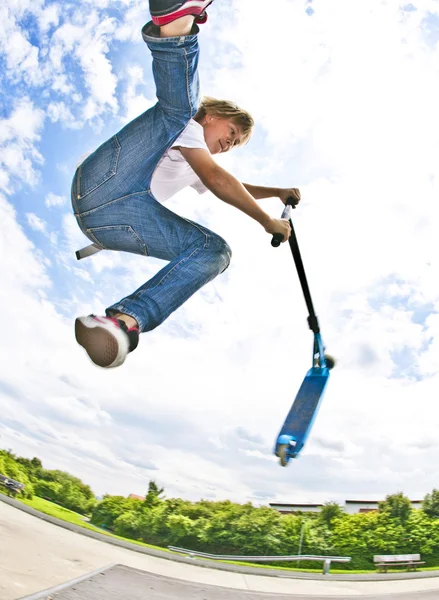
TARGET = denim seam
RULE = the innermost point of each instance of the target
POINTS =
(74, 195)
(187, 81)
(111, 173)
(89, 234)
(129, 230)
(183, 260)
(84, 214)
(80, 224)
(206, 235)
(89, 212)
(136, 296)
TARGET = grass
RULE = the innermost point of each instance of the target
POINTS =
(54, 510)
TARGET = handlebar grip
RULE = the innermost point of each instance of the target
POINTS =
(277, 238)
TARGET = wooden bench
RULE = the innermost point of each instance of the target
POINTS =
(384, 561)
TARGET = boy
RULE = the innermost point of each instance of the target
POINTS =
(118, 191)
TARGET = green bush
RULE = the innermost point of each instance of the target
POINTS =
(242, 529)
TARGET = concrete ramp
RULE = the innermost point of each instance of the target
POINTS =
(119, 582)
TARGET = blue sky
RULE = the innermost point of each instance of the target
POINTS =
(345, 110)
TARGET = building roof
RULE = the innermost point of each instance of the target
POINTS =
(287, 504)
(370, 501)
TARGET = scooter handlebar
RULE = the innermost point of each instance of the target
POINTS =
(277, 238)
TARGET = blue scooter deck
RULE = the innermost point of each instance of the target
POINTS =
(300, 419)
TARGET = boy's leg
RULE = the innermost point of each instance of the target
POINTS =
(125, 163)
(196, 255)
(182, 26)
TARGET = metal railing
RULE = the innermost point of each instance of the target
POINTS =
(327, 560)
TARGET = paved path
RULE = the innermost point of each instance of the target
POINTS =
(36, 555)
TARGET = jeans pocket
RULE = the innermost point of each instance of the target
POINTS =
(98, 168)
(118, 237)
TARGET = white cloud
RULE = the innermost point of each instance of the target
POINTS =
(54, 200)
(24, 122)
(88, 41)
(64, 37)
(64, 86)
(21, 56)
(132, 20)
(36, 223)
(24, 270)
(59, 111)
(135, 104)
(349, 122)
(18, 137)
(49, 17)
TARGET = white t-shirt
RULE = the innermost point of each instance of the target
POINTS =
(173, 172)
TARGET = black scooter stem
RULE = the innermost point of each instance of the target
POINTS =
(276, 241)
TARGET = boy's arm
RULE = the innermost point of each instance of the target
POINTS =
(227, 188)
(260, 192)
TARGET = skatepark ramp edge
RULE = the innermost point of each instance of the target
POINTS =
(68, 584)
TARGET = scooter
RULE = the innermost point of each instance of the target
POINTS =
(300, 419)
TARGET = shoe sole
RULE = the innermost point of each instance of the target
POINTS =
(102, 346)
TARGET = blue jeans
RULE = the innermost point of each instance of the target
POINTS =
(113, 203)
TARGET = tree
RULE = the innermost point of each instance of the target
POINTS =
(36, 463)
(154, 495)
(128, 525)
(109, 509)
(396, 506)
(430, 505)
(256, 531)
(329, 512)
(181, 528)
(63, 488)
(33, 467)
(47, 489)
(290, 530)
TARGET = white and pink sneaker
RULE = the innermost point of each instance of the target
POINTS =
(166, 11)
(107, 341)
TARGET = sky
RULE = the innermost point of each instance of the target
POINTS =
(345, 97)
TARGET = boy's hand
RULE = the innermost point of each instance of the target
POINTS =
(281, 226)
(286, 193)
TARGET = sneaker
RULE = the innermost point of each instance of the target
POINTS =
(166, 11)
(107, 341)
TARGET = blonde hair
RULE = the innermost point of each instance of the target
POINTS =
(224, 109)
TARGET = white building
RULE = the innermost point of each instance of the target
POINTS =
(363, 506)
(350, 506)
(292, 508)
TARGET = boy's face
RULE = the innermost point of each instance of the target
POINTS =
(220, 134)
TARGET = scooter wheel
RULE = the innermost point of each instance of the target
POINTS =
(282, 452)
(330, 362)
